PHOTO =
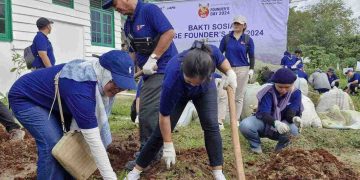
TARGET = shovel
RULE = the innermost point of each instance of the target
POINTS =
(235, 135)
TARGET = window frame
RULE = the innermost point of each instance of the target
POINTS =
(64, 5)
(102, 12)
(7, 36)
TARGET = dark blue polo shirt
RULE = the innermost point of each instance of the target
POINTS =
(38, 89)
(302, 74)
(174, 86)
(332, 78)
(149, 21)
(235, 50)
(285, 60)
(41, 43)
(355, 77)
(301, 64)
(266, 104)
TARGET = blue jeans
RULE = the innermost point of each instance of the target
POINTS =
(253, 129)
(47, 132)
(206, 106)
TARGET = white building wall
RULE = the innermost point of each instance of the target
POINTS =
(70, 36)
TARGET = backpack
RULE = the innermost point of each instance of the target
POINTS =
(247, 39)
(29, 57)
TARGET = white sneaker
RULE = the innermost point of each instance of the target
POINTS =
(221, 126)
(17, 135)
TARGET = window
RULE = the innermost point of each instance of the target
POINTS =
(5, 21)
(66, 3)
(102, 25)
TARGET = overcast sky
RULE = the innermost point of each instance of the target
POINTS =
(354, 4)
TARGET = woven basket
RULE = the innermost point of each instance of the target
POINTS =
(73, 153)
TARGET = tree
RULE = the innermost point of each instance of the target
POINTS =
(321, 24)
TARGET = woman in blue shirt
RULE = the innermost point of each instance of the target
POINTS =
(87, 89)
(189, 76)
(279, 108)
(237, 47)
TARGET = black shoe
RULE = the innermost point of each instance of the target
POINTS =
(130, 165)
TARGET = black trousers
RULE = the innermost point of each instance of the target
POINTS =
(206, 106)
(6, 119)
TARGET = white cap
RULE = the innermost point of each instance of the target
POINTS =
(239, 19)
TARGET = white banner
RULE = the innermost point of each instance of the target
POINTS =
(212, 19)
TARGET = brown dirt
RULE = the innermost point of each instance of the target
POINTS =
(190, 163)
(122, 151)
(303, 164)
(17, 159)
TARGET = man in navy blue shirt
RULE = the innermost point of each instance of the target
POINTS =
(353, 81)
(41, 46)
(333, 79)
(151, 45)
(286, 59)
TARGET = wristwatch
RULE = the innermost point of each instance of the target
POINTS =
(154, 56)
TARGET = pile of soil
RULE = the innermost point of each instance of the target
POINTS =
(17, 159)
(303, 164)
(195, 160)
(122, 150)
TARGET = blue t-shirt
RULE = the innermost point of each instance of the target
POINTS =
(174, 86)
(38, 89)
(149, 21)
(236, 50)
(41, 43)
(332, 78)
(285, 61)
(266, 104)
(355, 77)
(302, 74)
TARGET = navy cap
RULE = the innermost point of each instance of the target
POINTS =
(107, 4)
(284, 76)
(42, 22)
(349, 70)
(121, 67)
(332, 70)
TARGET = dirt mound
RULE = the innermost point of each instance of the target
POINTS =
(303, 164)
(195, 161)
(121, 151)
(17, 159)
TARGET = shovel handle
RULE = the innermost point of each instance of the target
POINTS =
(235, 135)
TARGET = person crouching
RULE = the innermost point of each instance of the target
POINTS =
(279, 109)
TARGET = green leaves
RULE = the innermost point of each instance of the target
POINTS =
(326, 33)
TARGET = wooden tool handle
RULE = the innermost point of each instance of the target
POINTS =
(235, 135)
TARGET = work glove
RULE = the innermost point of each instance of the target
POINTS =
(332, 84)
(230, 79)
(133, 175)
(298, 122)
(251, 73)
(137, 119)
(294, 66)
(150, 66)
(281, 127)
(169, 154)
(218, 175)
